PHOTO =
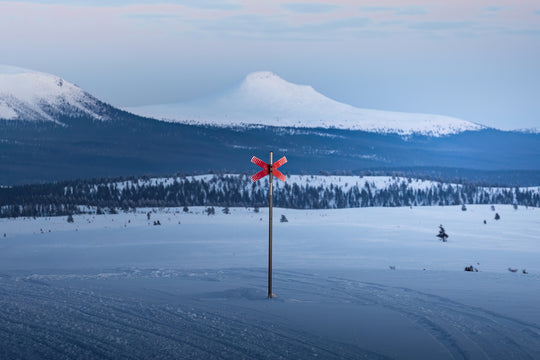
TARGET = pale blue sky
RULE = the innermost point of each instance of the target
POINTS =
(475, 60)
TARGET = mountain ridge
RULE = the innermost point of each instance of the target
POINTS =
(30, 95)
(263, 98)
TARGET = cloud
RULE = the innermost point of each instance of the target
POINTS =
(333, 25)
(494, 8)
(210, 4)
(526, 32)
(377, 8)
(153, 16)
(441, 25)
(253, 26)
(96, 3)
(198, 4)
(412, 10)
(406, 10)
(248, 24)
(310, 7)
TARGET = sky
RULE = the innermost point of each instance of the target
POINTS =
(476, 60)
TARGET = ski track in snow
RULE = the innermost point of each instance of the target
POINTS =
(466, 332)
(59, 322)
(64, 316)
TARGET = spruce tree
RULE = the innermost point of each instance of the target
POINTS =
(442, 234)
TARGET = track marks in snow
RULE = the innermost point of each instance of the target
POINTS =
(52, 320)
(65, 316)
(467, 332)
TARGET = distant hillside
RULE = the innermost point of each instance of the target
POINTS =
(298, 192)
(129, 145)
(263, 98)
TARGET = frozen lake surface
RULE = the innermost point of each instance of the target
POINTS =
(116, 286)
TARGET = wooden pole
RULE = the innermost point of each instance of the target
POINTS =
(270, 295)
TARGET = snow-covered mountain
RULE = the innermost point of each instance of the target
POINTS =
(91, 139)
(264, 98)
(34, 96)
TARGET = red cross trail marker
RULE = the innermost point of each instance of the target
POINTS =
(269, 169)
(266, 168)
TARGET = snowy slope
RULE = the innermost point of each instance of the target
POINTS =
(35, 96)
(263, 98)
(320, 191)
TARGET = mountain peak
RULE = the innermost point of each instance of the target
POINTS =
(35, 96)
(264, 98)
(267, 79)
(267, 85)
(261, 76)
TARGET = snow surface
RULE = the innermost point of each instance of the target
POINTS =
(116, 286)
(31, 95)
(263, 98)
(365, 233)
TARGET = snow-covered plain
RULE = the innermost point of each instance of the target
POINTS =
(116, 286)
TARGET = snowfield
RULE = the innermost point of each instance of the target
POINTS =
(369, 283)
